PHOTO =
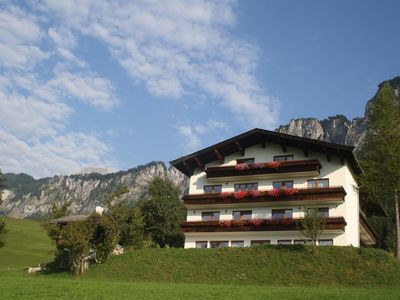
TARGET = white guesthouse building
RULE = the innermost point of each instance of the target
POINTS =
(252, 189)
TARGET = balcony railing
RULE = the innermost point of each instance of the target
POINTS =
(334, 223)
(311, 167)
(333, 194)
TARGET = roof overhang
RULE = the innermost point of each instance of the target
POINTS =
(239, 143)
(367, 233)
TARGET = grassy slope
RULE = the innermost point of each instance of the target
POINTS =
(18, 286)
(254, 266)
(26, 245)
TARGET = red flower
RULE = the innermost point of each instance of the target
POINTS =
(273, 164)
(255, 193)
(241, 167)
(225, 195)
(256, 222)
(274, 193)
(259, 165)
(290, 192)
(225, 224)
(241, 194)
(286, 221)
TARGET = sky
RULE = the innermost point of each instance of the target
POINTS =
(116, 84)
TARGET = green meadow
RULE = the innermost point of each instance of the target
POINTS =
(248, 273)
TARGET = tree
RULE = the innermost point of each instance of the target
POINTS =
(312, 225)
(134, 233)
(3, 229)
(380, 158)
(2, 186)
(163, 212)
(75, 241)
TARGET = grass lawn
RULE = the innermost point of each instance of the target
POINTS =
(26, 245)
(20, 286)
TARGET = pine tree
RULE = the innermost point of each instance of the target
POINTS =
(380, 159)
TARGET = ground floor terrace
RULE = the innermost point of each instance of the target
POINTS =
(248, 239)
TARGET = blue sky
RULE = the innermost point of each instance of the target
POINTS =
(118, 84)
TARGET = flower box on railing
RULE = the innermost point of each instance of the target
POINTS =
(336, 194)
(260, 168)
(271, 224)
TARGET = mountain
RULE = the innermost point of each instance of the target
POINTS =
(32, 198)
(337, 129)
(28, 197)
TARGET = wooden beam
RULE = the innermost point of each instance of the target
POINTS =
(342, 160)
(328, 157)
(263, 144)
(199, 163)
(239, 147)
(187, 168)
(283, 146)
(305, 151)
(220, 157)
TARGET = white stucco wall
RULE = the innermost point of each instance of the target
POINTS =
(338, 175)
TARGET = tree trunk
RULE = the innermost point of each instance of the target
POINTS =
(396, 203)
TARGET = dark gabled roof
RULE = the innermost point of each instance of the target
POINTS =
(188, 163)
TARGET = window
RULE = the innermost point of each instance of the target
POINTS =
(322, 211)
(242, 215)
(284, 242)
(317, 183)
(210, 216)
(325, 242)
(245, 161)
(246, 186)
(282, 213)
(299, 242)
(283, 157)
(201, 244)
(237, 244)
(260, 242)
(277, 185)
(213, 188)
(219, 244)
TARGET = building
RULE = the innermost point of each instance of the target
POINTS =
(253, 188)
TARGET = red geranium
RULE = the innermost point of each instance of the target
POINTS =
(241, 167)
(259, 165)
(273, 164)
(274, 193)
(255, 193)
(256, 222)
(240, 195)
(225, 223)
(225, 195)
(290, 192)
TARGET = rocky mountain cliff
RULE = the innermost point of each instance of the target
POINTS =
(337, 129)
(27, 197)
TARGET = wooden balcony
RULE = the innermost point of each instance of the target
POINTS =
(328, 194)
(264, 170)
(336, 223)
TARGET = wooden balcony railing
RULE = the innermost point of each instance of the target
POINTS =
(334, 223)
(335, 194)
(293, 166)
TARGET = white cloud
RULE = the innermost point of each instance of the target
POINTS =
(62, 37)
(177, 47)
(192, 134)
(19, 38)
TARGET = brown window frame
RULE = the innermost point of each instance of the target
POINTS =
(282, 181)
(241, 216)
(316, 183)
(206, 242)
(211, 212)
(238, 241)
(218, 243)
(213, 188)
(245, 183)
(280, 241)
(284, 209)
(283, 156)
(325, 240)
(255, 243)
(244, 160)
